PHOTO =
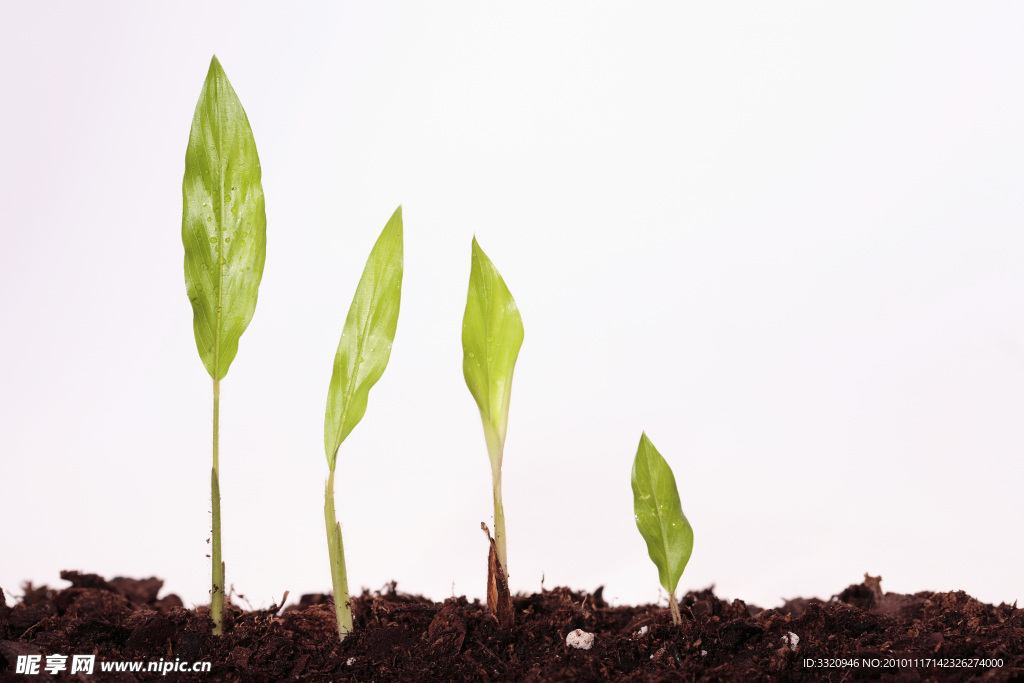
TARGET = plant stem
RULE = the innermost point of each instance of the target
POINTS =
(499, 526)
(676, 619)
(495, 449)
(217, 594)
(339, 577)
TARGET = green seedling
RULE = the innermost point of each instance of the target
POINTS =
(224, 229)
(660, 518)
(492, 333)
(362, 356)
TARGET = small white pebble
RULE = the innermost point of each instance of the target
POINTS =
(792, 640)
(580, 639)
(703, 653)
(644, 630)
(350, 661)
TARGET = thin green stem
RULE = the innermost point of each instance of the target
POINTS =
(499, 526)
(217, 594)
(216, 426)
(495, 450)
(339, 577)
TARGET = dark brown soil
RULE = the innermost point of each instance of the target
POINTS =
(398, 637)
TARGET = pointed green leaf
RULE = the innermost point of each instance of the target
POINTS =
(492, 333)
(223, 224)
(366, 341)
(659, 515)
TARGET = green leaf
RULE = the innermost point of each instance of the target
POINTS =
(659, 515)
(223, 224)
(366, 341)
(492, 333)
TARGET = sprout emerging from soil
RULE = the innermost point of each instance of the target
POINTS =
(492, 333)
(360, 361)
(660, 518)
(224, 230)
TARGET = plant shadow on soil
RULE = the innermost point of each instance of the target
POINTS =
(401, 637)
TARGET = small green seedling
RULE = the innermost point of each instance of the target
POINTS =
(492, 333)
(660, 518)
(362, 355)
(224, 229)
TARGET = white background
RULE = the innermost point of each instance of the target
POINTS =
(785, 242)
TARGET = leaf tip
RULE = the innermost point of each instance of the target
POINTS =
(478, 252)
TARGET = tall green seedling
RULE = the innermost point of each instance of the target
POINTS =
(492, 334)
(360, 361)
(223, 227)
(660, 518)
